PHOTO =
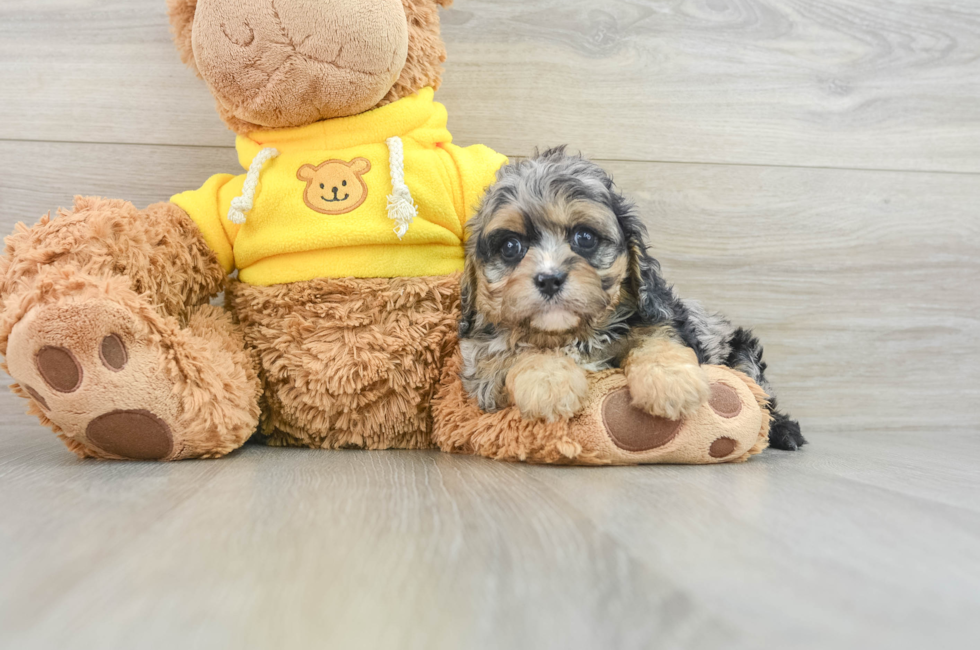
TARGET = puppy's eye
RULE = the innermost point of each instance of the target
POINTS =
(511, 249)
(585, 239)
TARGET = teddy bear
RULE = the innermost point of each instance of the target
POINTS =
(339, 251)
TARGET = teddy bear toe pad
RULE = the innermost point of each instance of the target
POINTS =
(59, 368)
(94, 374)
(722, 447)
(724, 400)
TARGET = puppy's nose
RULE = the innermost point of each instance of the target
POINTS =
(550, 283)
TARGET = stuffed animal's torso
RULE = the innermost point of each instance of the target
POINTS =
(320, 206)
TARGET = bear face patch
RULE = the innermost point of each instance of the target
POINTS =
(335, 186)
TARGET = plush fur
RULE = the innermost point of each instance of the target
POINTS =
(343, 363)
(461, 426)
(557, 265)
(181, 13)
(195, 373)
(349, 362)
(158, 250)
(426, 50)
(266, 71)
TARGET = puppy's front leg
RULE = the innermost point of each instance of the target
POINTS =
(547, 386)
(664, 377)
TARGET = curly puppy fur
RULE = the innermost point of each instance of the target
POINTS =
(556, 263)
(547, 386)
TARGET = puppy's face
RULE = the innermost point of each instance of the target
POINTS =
(547, 251)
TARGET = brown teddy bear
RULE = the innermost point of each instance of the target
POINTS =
(346, 233)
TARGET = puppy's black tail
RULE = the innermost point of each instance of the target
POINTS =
(746, 355)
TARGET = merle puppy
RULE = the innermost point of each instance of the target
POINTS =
(558, 282)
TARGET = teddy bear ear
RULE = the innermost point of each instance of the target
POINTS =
(360, 166)
(181, 14)
(306, 173)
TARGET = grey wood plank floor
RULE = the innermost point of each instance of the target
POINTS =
(861, 541)
(810, 168)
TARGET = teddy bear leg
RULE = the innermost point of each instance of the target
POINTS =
(106, 367)
(348, 362)
(731, 426)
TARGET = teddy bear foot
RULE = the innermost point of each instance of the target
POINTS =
(117, 381)
(730, 426)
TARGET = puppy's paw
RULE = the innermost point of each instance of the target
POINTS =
(547, 387)
(671, 390)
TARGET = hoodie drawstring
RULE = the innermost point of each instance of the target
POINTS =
(401, 207)
(242, 204)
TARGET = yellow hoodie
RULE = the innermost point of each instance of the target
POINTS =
(381, 194)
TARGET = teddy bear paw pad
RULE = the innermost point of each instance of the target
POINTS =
(633, 429)
(96, 373)
(114, 432)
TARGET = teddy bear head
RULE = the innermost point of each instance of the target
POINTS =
(287, 63)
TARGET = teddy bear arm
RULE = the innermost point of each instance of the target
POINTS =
(159, 250)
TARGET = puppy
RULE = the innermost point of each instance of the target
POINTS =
(558, 282)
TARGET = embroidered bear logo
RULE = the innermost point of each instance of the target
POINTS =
(335, 186)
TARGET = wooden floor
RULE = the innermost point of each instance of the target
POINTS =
(811, 168)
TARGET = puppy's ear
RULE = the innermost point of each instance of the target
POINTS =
(467, 300)
(652, 296)
(181, 14)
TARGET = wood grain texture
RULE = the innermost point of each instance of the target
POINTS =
(841, 83)
(287, 548)
(848, 547)
(863, 541)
